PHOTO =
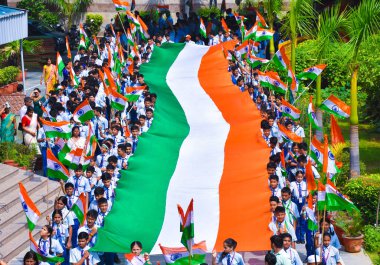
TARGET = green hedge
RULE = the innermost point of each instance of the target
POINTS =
(20, 153)
(95, 24)
(364, 192)
(205, 12)
(8, 75)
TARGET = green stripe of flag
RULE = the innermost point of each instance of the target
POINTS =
(56, 174)
(195, 260)
(78, 213)
(132, 97)
(117, 106)
(142, 187)
(54, 259)
(63, 135)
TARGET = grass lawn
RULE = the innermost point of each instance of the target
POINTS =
(369, 145)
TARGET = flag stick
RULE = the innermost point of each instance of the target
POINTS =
(303, 91)
(323, 230)
(121, 22)
(189, 258)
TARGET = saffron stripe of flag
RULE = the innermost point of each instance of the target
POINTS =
(41, 255)
(187, 226)
(329, 164)
(254, 61)
(321, 202)
(120, 5)
(272, 81)
(224, 25)
(134, 259)
(132, 89)
(260, 19)
(61, 129)
(30, 209)
(289, 110)
(72, 158)
(336, 133)
(68, 48)
(82, 44)
(251, 33)
(288, 135)
(336, 107)
(184, 75)
(312, 115)
(55, 169)
(180, 256)
(83, 112)
(80, 208)
(312, 72)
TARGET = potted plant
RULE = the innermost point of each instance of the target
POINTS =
(7, 79)
(352, 225)
(9, 154)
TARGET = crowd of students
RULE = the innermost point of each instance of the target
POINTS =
(118, 133)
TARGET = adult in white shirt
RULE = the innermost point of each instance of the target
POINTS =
(28, 102)
(188, 39)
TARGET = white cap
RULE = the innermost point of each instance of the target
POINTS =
(312, 259)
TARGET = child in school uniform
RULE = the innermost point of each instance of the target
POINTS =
(329, 255)
(69, 191)
(91, 179)
(109, 192)
(81, 255)
(102, 212)
(47, 244)
(273, 186)
(299, 194)
(90, 227)
(81, 183)
(281, 225)
(311, 214)
(99, 193)
(291, 209)
(290, 252)
(101, 159)
(60, 232)
(274, 201)
(229, 256)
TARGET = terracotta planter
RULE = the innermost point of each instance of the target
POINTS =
(19, 76)
(353, 244)
(339, 232)
(8, 162)
(14, 86)
(7, 89)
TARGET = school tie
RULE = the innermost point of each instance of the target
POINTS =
(44, 248)
(101, 162)
(148, 123)
(134, 144)
(228, 259)
(323, 256)
(272, 191)
(299, 191)
(107, 194)
(69, 203)
(76, 185)
(97, 128)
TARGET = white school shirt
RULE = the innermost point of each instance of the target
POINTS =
(71, 200)
(100, 220)
(331, 255)
(94, 205)
(281, 178)
(81, 184)
(293, 255)
(291, 211)
(299, 131)
(77, 253)
(295, 190)
(44, 246)
(61, 233)
(68, 217)
(102, 160)
(88, 230)
(276, 192)
(234, 257)
(100, 122)
(274, 226)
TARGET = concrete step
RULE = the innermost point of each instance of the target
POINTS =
(10, 183)
(37, 189)
(7, 171)
(13, 242)
(18, 222)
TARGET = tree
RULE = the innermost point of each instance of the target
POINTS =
(70, 8)
(273, 7)
(329, 24)
(11, 51)
(299, 21)
(363, 23)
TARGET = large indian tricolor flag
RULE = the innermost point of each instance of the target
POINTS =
(200, 148)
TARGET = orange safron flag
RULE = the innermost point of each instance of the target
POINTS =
(336, 133)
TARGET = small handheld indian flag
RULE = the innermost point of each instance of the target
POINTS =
(82, 44)
(43, 254)
(60, 64)
(202, 29)
(254, 61)
(316, 148)
(272, 81)
(281, 59)
(120, 5)
(83, 112)
(187, 227)
(335, 200)
(336, 107)
(321, 195)
(130, 40)
(80, 208)
(312, 72)
(118, 101)
(243, 49)
(312, 115)
(68, 48)
(251, 33)
(329, 165)
(263, 34)
(261, 20)
(72, 158)
(55, 169)
(134, 259)
(61, 129)
(224, 25)
(312, 223)
(180, 256)
(289, 110)
(30, 209)
(288, 135)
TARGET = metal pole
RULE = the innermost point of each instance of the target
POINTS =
(22, 64)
